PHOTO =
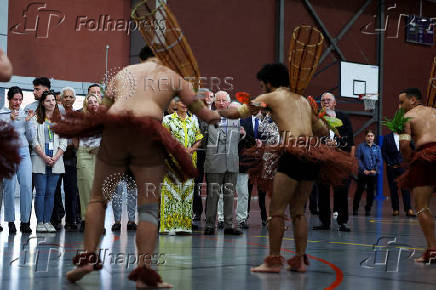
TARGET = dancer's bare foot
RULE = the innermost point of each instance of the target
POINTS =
(429, 256)
(140, 284)
(271, 264)
(264, 268)
(298, 263)
(147, 278)
(79, 272)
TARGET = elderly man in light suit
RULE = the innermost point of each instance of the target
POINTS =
(222, 167)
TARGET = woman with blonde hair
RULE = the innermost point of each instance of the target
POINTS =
(86, 154)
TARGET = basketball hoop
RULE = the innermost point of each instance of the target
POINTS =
(369, 101)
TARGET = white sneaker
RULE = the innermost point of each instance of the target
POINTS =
(50, 228)
(40, 228)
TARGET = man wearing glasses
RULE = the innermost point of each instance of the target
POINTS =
(345, 143)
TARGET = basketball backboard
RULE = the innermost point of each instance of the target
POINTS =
(358, 79)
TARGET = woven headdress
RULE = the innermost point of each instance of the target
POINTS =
(163, 35)
(431, 89)
(304, 53)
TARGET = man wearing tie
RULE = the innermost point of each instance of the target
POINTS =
(197, 204)
(251, 126)
(244, 187)
(222, 167)
(393, 158)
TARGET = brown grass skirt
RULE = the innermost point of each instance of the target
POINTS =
(421, 170)
(335, 165)
(80, 125)
(9, 156)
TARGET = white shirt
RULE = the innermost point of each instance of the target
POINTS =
(332, 134)
(90, 142)
(397, 140)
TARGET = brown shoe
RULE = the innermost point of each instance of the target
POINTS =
(396, 213)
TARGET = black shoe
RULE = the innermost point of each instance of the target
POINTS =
(321, 228)
(57, 226)
(116, 227)
(12, 229)
(70, 227)
(195, 227)
(82, 226)
(314, 212)
(344, 228)
(243, 225)
(209, 232)
(232, 231)
(25, 228)
(264, 223)
(197, 218)
(131, 226)
(220, 225)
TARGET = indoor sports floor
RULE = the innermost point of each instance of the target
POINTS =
(338, 260)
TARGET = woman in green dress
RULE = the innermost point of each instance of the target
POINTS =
(176, 196)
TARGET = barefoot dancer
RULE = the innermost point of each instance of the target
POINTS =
(420, 177)
(298, 166)
(133, 138)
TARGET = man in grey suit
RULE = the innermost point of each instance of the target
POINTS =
(222, 167)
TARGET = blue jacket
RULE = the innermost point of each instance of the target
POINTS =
(370, 158)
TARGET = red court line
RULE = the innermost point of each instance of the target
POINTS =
(338, 271)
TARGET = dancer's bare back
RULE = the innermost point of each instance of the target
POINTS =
(146, 89)
(421, 125)
(291, 112)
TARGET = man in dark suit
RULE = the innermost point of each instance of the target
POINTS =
(197, 206)
(392, 157)
(251, 126)
(345, 143)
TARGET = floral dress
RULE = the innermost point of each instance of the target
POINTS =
(176, 196)
(270, 135)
